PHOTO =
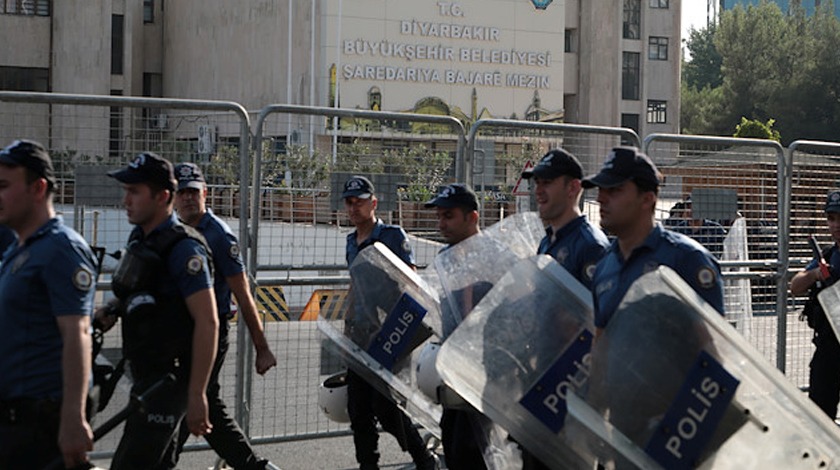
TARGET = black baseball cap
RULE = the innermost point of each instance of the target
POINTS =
(832, 202)
(557, 162)
(358, 186)
(147, 167)
(189, 176)
(455, 195)
(624, 164)
(30, 155)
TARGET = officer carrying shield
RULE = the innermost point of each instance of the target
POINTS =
(227, 439)
(628, 187)
(824, 380)
(365, 404)
(46, 299)
(164, 284)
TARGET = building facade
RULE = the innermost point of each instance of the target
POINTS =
(593, 62)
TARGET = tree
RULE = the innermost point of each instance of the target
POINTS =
(703, 70)
(750, 128)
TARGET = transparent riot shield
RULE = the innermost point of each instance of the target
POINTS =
(390, 312)
(469, 269)
(673, 377)
(830, 301)
(737, 291)
(519, 352)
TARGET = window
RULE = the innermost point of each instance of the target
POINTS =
(658, 3)
(657, 48)
(25, 7)
(117, 44)
(148, 11)
(630, 121)
(115, 128)
(24, 79)
(630, 76)
(567, 42)
(632, 19)
(657, 112)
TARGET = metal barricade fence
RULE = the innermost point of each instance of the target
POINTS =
(89, 135)
(498, 150)
(729, 194)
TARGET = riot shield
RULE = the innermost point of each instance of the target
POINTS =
(674, 378)
(737, 292)
(390, 312)
(830, 301)
(469, 269)
(518, 353)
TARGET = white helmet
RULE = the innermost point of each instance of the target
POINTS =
(332, 398)
(428, 379)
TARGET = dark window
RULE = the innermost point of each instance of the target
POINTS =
(632, 19)
(630, 76)
(115, 128)
(657, 112)
(117, 44)
(25, 7)
(24, 79)
(657, 48)
(630, 121)
(148, 11)
(567, 45)
(658, 3)
(153, 85)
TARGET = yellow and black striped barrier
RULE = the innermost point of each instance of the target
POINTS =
(328, 303)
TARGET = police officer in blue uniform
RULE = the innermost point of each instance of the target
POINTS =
(570, 238)
(628, 187)
(227, 439)
(707, 232)
(170, 324)
(365, 404)
(46, 300)
(824, 380)
(456, 206)
(7, 238)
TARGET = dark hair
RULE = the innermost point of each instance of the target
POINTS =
(33, 176)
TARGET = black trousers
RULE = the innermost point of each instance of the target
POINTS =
(461, 447)
(824, 379)
(150, 437)
(29, 434)
(366, 406)
(227, 438)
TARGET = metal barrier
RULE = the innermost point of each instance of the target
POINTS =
(737, 179)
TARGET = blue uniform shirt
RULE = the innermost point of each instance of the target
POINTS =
(7, 239)
(53, 274)
(689, 259)
(833, 260)
(392, 236)
(578, 246)
(187, 271)
(227, 261)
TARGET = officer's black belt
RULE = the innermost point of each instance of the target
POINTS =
(26, 410)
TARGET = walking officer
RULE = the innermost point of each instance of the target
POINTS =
(164, 284)
(365, 405)
(227, 439)
(46, 299)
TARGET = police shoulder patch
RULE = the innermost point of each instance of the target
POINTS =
(82, 279)
(194, 265)
(705, 277)
(589, 270)
(406, 246)
(233, 251)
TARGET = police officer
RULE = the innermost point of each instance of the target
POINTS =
(227, 439)
(365, 404)
(457, 213)
(570, 238)
(707, 232)
(628, 187)
(169, 319)
(824, 378)
(46, 300)
(7, 239)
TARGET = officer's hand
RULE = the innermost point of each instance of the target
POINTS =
(105, 316)
(75, 439)
(265, 360)
(198, 421)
